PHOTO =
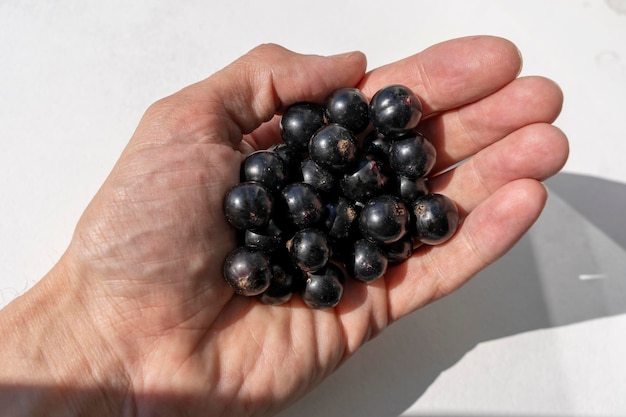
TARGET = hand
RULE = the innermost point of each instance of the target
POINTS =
(148, 325)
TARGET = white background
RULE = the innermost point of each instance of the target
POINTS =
(76, 76)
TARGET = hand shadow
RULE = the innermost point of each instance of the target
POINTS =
(567, 269)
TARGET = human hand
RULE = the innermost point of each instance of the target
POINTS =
(144, 302)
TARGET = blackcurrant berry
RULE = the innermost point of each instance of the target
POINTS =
(384, 219)
(348, 107)
(394, 109)
(367, 181)
(309, 249)
(412, 155)
(266, 239)
(282, 285)
(317, 176)
(247, 271)
(436, 218)
(333, 147)
(377, 145)
(291, 160)
(368, 261)
(248, 205)
(341, 215)
(409, 189)
(265, 167)
(400, 250)
(302, 204)
(323, 288)
(298, 124)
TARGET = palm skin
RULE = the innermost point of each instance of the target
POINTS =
(146, 257)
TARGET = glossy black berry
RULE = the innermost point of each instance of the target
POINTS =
(302, 205)
(266, 239)
(400, 250)
(298, 124)
(265, 167)
(436, 218)
(394, 109)
(412, 155)
(282, 285)
(309, 249)
(248, 272)
(340, 218)
(384, 219)
(377, 145)
(367, 181)
(317, 176)
(348, 107)
(410, 189)
(368, 261)
(248, 205)
(323, 288)
(291, 160)
(333, 147)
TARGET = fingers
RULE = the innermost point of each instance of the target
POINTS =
(490, 230)
(452, 73)
(461, 132)
(536, 151)
(248, 92)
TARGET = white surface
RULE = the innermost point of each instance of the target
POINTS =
(75, 77)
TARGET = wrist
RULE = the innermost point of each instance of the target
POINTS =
(54, 360)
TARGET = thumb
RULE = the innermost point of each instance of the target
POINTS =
(239, 98)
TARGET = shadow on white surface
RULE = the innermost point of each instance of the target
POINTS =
(569, 268)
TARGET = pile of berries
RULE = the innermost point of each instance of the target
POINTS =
(346, 192)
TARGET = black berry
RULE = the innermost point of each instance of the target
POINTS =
(394, 109)
(333, 147)
(265, 167)
(436, 218)
(248, 205)
(412, 155)
(367, 181)
(309, 249)
(323, 288)
(317, 176)
(384, 219)
(282, 285)
(303, 205)
(247, 271)
(368, 261)
(348, 107)
(299, 123)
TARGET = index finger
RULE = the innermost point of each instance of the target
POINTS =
(452, 73)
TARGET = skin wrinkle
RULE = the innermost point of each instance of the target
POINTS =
(478, 175)
(469, 133)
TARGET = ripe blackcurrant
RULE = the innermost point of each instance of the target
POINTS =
(368, 261)
(436, 218)
(298, 124)
(247, 271)
(384, 219)
(323, 288)
(309, 249)
(348, 107)
(248, 205)
(395, 109)
(412, 155)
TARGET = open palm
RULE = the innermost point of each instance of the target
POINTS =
(147, 254)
